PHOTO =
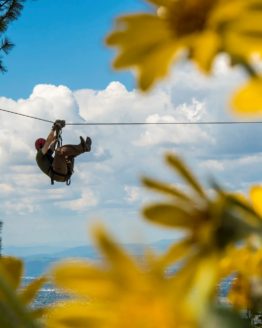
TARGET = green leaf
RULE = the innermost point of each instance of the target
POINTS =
(185, 173)
(171, 216)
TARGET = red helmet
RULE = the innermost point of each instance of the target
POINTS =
(39, 143)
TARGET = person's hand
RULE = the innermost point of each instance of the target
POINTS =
(58, 125)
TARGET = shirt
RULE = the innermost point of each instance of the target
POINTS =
(44, 161)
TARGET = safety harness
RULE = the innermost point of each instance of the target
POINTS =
(67, 176)
(57, 127)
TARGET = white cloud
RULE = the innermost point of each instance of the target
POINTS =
(212, 165)
(6, 189)
(132, 193)
(157, 134)
(106, 180)
(19, 208)
(87, 199)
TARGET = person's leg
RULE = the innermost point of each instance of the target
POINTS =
(69, 150)
(59, 163)
(66, 152)
(75, 150)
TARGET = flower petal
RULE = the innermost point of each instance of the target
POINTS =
(185, 173)
(171, 216)
(165, 188)
(29, 292)
(175, 253)
(205, 49)
(151, 54)
(248, 100)
(81, 278)
(256, 198)
(12, 269)
(77, 314)
(122, 266)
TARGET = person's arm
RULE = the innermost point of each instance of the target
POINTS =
(49, 140)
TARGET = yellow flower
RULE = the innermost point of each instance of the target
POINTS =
(122, 292)
(213, 228)
(210, 223)
(150, 43)
(15, 299)
(108, 294)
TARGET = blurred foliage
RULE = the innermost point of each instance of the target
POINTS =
(221, 230)
(196, 30)
(16, 299)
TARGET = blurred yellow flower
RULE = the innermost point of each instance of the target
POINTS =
(214, 228)
(109, 293)
(150, 43)
(118, 294)
(122, 292)
(210, 223)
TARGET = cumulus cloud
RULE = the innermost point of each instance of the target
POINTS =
(107, 178)
(86, 199)
(213, 165)
(132, 193)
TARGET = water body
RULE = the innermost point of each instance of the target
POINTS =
(49, 295)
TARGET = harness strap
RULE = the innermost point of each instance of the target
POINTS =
(58, 143)
(59, 140)
(67, 176)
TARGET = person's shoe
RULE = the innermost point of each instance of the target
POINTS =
(88, 143)
(83, 143)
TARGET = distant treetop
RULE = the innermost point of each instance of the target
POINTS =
(10, 10)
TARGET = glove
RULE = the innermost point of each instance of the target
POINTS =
(58, 125)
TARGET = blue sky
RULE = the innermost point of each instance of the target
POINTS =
(62, 42)
(60, 68)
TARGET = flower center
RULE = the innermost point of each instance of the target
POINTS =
(189, 16)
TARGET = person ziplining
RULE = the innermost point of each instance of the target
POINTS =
(55, 160)
(60, 166)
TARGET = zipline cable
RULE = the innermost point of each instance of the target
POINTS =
(35, 118)
(139, 123)
(170, 123)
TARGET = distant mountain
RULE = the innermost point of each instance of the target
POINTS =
(37, 264)
(31, 250)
